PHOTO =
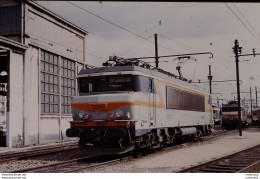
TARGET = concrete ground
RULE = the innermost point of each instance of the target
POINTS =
(188, 156)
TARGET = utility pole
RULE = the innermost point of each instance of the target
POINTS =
(237, 50)
(210, 80)
(251, 105)
(156, 51)
(256, 96)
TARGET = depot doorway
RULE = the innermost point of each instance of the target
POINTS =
(4, 95)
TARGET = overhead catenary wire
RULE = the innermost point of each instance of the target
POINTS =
(136, 45)
(220, 81)
(118, 26)
(248, 41)
(244, 18)
(106, 20)
(241, 21)
(49, 42)
(177, 42)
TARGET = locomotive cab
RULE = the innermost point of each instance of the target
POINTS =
(107, 109)
(230, 115)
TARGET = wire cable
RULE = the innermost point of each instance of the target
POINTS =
(178, 42)
(107, 20)
(120, 27)
(49, 42)
(244, 18)
(134, 47)
(241, 22)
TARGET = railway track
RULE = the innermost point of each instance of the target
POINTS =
(36, 152)
(90, 162)
(234, 163)
(75, 165)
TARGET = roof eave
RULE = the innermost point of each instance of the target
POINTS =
(57, 16)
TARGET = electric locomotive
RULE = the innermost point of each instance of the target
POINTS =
(128, 105)
(256, 117)
(230, 115)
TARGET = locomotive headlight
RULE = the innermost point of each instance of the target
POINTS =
(128, 115)
(81, 114)
(84, 115)
(118, 114)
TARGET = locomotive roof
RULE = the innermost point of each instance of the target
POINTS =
(232, 105)
(149, 72)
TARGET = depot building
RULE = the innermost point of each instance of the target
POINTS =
(40, 56)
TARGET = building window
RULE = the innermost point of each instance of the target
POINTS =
(68, 84)
(49, 83)
(2, 106)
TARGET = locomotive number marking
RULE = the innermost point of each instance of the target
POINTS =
(95, 107)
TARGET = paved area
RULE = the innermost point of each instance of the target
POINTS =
(185, 157)
(207, 151)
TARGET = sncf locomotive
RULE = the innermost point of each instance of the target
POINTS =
(256, 117)
(128, 105)
(230, 115)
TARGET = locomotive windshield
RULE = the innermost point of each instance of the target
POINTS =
(106, 83)
(230, 109)
(116, 83)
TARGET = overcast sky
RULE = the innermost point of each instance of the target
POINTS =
(182, 27)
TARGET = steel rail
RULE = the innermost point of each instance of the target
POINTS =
(26, 153)
(228, 164)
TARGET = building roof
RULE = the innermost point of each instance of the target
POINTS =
(56, 16)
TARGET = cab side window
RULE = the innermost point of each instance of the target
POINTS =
(144, 84)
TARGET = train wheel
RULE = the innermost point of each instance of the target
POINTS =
(136, 153)
(160, 147)
(199, 135)
(209, 131)
(144, 152)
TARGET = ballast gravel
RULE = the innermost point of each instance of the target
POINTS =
(11, 166)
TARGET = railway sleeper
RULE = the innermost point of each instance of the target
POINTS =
(212, 170)
(234, 165)
(226, 167)
(244, 161)
(252, 157)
